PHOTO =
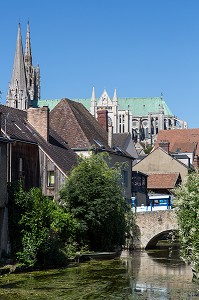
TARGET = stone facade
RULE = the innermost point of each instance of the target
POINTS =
(151, 225)
(24, 87)
(142, 117)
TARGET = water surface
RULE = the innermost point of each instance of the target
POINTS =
(141, 275)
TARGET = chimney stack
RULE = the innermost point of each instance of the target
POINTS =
(39, 119)
(164, 145)
(102, 117)
(196, 162)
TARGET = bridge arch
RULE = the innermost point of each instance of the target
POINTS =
(153, 242)
(151, 225)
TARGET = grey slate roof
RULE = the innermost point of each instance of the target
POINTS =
(14, 123)
(122, 140)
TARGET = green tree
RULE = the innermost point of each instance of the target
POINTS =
(93, 194)
(187, 212)
(43, 229)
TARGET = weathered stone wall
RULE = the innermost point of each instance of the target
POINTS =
(150, 225)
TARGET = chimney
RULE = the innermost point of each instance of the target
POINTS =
(196, 162)
(39, 119)
(102, 117)
(164, 145)
(110, 135)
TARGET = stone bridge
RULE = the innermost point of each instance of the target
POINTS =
(152, 225)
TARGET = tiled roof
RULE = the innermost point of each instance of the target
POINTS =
(183, 139)
(14, 123)
(162, 181)
(138, 106)
(120, 139)
(182, 147)
(74, 123)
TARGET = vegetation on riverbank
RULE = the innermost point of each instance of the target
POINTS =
(39, 229)
(187, 212)
(91, 215)
(93, 194)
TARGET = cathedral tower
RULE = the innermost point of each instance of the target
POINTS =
(24, 87)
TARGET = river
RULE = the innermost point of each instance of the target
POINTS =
(142, 275)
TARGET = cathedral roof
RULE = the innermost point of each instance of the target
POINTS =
(138, 106)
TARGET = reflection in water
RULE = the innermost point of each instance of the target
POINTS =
(160, 275)
(140, 275)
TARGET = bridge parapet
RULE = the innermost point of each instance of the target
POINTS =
(151, 225)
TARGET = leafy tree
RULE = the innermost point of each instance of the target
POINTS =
(43, 228)
(187, 211)
(94, 195)
(148, 149)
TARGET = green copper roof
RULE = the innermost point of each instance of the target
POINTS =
(138, 106)
(144, 106)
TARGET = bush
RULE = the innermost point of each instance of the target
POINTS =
(43, 229)
(187, 212)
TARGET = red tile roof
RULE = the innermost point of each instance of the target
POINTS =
(74, 123)
(162, 181)
(183, 140)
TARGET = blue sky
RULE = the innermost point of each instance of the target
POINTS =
(140, 47)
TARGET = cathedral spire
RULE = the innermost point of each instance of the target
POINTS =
(30, 70)
(93, 103)
(17, 93)
(115, 112)
(28, 54)
(115, 97)
(19, 68)
(93, 95)
(24, 88)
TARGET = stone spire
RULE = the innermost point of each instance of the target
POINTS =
(115, 101)
(30, 71)
(17, 93)
(115, 112)
(93, 95)
(28, 54)
(24, 88)
(93, 103)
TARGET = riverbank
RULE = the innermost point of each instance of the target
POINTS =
(9, 267)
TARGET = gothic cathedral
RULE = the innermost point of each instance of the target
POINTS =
(142, 117)
(24, 88)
